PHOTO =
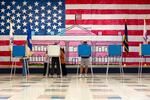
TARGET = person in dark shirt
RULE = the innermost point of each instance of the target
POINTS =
(55, 61)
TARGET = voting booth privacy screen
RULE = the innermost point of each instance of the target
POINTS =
(18, 51)
(84, 50)
(53, 50)
(114, 50)
(145, 50)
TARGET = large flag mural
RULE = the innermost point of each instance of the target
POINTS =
(51, 17)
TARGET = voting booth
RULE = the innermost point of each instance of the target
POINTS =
(115, 51)
(54, 51)
(144, 52)
(20, 52)
(85, 51)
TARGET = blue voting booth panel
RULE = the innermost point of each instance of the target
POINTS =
(18, 51)
(145, 49)
(114, 50)
(84, 50)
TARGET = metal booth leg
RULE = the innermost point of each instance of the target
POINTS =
(107, 67)
(47, 69)
(60, 67)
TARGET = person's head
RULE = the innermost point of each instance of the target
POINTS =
(84, 42)
(62, 49)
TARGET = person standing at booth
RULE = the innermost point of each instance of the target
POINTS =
(55, 61)
(85, 60)
(46, 62)
(63, 64)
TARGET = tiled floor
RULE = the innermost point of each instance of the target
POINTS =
(36, 87)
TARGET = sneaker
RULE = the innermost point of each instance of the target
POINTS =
(80, 75)
(85, 75)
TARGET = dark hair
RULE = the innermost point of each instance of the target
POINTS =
(62, 49)
(85, 42)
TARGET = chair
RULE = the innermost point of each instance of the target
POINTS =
(19, 52)
(85, 51)
(144, 52)
(54, 51)
(115, 51)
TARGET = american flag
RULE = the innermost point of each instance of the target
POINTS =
(45, 17)
(145, 33)
(104, 17)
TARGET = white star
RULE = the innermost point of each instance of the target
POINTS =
(24, 17)
(18, 20)
(13, 11)
(8, 7)
(36, 11)
(25, 30)
(2, 10)
(8, 14)
(18, 14)
(36, 23)
(48, 3)
(2, 3)
(30, 20)
(2, 30)
(48, 11)
(43, 15)
(59, 17)
(36, 17)
(49, 17)
(7, 28)
(24, 3)
(42, 20)
(48, 30)
(13, 3)
(48, 24)
(59, 30)
(2, 17)
(24, 24)
(24, 11)
(30, 8)
(60, 3)
(30, 15)
(18, 27)
(42, 26)
(2, 23)
(54, 8)
(55, 21)
(54, 27)
(54, 15)
(36, 30)
(36, 3)
(18, 7)
(42, 8)
(60, 11)
(13, 17)
(59, 24)
(31, 27)
(8, 20)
